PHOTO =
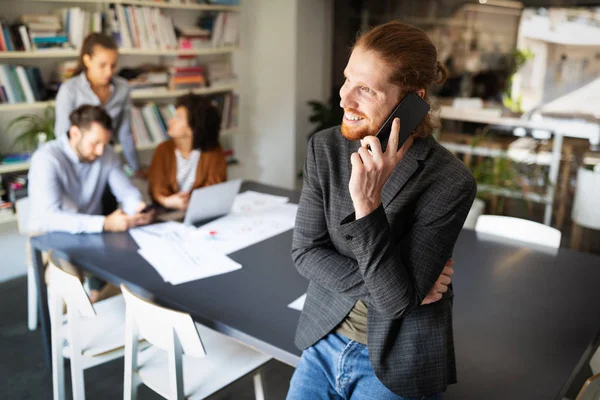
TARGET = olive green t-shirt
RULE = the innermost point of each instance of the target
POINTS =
(354, 327)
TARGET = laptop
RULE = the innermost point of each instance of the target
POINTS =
(211, 202)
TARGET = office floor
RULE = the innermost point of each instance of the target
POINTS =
(24, 375)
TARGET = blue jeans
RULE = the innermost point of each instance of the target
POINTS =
(339, 368)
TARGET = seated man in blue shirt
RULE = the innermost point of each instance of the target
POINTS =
(68, 176)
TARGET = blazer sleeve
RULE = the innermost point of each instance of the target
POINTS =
(158, 175)
(313, 253)
(399, 274)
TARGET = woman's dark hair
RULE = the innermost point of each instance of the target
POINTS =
(83, 117)
(204, 119)
(87, 48)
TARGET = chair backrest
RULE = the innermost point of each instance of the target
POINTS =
(474, 213)
(22, 207)
(157, 324)
(590, 389)
(519, 229)
(585, 203)
(71, 290)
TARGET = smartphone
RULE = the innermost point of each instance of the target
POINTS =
(147, 209)
(411, 111)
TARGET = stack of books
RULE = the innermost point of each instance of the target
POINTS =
(193, 38)
(20, 84)
(186, 77)
(185, 72)
(65, 70)
(219, 71)
(44, 32)
(147, 77)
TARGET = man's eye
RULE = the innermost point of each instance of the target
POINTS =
(366, 89)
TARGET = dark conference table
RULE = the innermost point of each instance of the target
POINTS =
(524, 319)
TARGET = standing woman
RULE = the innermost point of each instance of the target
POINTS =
(94, 82)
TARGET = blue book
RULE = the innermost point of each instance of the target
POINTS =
(7, 38)
(49, 39)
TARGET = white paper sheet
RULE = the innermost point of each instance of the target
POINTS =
(298, 304)
(177, 268)
(168, 249)
(237, 231)
(251, 201)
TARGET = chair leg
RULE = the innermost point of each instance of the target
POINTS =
(77, 381)
(259, 392)
(58, 363)
(32, 302)
(132, 381)
(77, 364)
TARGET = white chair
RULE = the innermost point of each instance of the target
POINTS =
(177, 366)
(95, 334)
(475, 212)
(519, 229)
(590, 389)
(22, 208)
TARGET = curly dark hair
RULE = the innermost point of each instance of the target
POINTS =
(204, 119)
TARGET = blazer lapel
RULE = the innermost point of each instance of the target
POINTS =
(405, 169)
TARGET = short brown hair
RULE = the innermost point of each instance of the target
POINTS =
(84, 116)
(413, 59)
(204, 120)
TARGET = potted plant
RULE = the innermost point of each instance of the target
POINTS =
(33, 129)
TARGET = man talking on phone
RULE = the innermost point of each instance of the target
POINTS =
(374, 232)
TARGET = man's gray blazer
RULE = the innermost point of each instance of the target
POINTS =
(390, 258)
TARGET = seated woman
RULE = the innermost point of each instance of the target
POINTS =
(191, 158)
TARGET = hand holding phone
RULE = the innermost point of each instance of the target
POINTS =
(411, 111)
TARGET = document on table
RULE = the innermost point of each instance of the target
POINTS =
(239, 230)
(298, 304)
(251, 201)
(167, 248)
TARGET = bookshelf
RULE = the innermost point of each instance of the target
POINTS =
(182, 16)
(136, 95)
(16, 167)
(195, 7)
(67, 53)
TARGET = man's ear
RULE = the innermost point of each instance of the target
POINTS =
(421, 93)
(74, 132)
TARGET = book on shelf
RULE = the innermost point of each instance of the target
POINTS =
(65, 70)
(219, 71)
(149, 123)
(135, 27)
(78, 23)
(186, 73)
(225, 29)
(193, 38)
(20, 84)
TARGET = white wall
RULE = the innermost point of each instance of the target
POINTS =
(283, 62)
(314, 59)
